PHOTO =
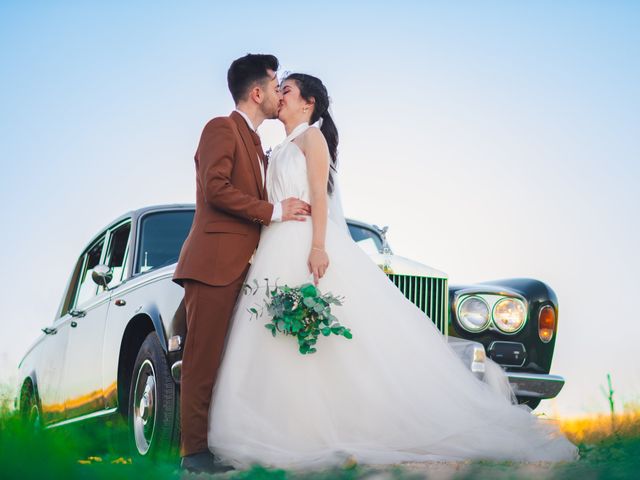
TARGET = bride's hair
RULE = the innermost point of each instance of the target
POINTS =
(312, 87)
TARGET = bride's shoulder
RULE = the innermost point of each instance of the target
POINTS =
(314, 148)
(313, 139)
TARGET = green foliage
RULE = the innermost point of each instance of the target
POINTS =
(88, 452)
(302, 312)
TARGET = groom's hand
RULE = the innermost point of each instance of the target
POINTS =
(295, 209)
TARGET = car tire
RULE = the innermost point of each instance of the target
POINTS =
(153, 403)
(30, 410)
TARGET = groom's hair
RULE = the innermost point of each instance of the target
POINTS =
(245, 71)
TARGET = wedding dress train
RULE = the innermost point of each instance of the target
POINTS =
(395, 392)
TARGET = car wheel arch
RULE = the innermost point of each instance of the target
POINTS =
(28, 391)
(134, 335)
(28, 387)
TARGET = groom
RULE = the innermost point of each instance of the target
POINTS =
(231, 207)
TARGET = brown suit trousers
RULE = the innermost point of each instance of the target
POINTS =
(209, 311)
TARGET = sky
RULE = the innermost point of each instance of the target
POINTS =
(496, 139)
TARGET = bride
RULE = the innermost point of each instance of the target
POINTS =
(396, 392)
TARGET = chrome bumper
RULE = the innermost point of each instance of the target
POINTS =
(176, 369)
(535, 385)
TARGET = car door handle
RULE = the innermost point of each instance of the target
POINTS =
(49, 331)
(77, 313)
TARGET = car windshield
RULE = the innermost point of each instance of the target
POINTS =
(163, 233)
(365, 237)
(161, 237)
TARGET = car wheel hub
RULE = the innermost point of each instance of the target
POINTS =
(144, 407)
(34, 416)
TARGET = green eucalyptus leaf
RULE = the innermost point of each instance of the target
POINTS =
(308, 290)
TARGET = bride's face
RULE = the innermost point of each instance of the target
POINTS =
(293, 108)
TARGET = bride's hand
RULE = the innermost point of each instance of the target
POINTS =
(318, 263)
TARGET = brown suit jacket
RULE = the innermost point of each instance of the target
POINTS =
(231, 204)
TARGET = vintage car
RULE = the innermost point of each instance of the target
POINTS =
(114, 348)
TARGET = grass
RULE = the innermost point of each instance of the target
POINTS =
(608, 449)
(607, 452)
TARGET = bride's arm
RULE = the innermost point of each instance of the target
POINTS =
(316, 152)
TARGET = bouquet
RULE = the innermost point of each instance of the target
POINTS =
(302, 312)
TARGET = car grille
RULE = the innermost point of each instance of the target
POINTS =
(431, 295)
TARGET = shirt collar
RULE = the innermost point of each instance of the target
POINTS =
(246, 119)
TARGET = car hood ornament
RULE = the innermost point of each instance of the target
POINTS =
(385, 251)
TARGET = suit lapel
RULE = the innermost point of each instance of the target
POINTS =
(243, 128)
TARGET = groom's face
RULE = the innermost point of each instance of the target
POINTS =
(271, 91)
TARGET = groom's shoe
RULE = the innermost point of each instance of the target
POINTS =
(204, 462)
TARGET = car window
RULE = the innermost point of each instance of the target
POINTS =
(67, 303)
(87, 288)
(116, 253)
(361, 234)
(161, 237)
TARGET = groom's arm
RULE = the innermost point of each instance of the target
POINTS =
(216, 157)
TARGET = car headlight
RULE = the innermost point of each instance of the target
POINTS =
(509, 315)
(473, 314)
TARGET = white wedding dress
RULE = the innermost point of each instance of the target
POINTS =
(396, 392)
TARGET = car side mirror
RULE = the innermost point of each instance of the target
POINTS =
(102, 275)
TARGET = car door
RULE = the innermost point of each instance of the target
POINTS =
(82, 380)
(48, 375)
(51, 355)
(117, 259)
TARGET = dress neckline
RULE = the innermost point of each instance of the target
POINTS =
(297, 131)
